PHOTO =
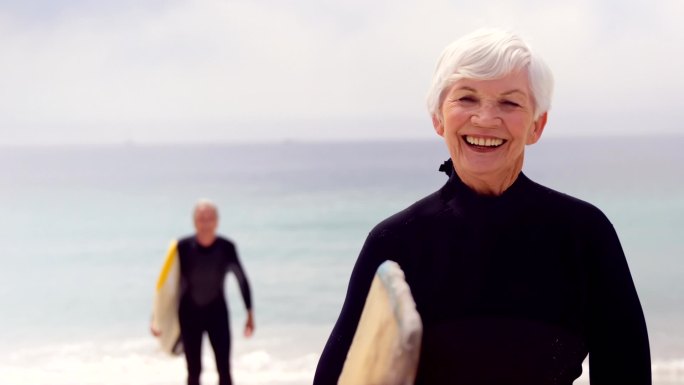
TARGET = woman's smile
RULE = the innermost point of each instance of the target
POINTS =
(483, 144)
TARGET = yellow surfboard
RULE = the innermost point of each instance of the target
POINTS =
(386, 347)
(166, 301)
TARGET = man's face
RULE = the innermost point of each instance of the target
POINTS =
(206, 221)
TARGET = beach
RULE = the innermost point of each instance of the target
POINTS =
(85, 229)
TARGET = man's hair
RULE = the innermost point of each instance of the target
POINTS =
(204, 204)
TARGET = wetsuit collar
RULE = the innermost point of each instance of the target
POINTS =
(201, 246)
(455, 187)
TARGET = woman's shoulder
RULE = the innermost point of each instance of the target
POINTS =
(415, 215)
(563, 205)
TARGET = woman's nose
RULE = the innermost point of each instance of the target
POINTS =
(486, 116)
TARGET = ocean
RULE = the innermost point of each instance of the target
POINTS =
(84, 231)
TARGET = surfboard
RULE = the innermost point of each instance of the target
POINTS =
(166, 300)
(386, 346)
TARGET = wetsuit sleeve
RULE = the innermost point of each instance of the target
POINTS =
(619, 351)
(236, 267)
(374, 252)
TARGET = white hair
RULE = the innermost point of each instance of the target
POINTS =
(205, 204)
(489, 54)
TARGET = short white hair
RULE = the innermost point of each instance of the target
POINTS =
(204, 203)
(488, 54)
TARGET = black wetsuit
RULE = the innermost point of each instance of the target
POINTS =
(203, 304)
(512, 289)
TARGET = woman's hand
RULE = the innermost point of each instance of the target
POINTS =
(249, 325)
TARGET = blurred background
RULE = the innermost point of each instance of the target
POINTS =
(305, 121)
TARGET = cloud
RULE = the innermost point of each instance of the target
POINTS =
(259, 70)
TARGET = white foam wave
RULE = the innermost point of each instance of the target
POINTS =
(668, 371)
(140, 362)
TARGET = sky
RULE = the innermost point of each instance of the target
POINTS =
(154, 71)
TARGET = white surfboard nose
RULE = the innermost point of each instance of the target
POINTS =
(386, 347)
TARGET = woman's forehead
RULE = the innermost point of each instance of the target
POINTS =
(512, 84)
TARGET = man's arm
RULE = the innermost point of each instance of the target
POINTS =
(236, 268)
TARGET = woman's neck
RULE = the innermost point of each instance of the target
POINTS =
(493, 184)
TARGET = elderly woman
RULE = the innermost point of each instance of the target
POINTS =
(515, 283)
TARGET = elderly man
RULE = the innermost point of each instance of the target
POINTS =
(205, 259)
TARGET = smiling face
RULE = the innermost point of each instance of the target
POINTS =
(486, 125)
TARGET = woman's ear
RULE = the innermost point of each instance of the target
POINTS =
(438, 125)
(537, 128)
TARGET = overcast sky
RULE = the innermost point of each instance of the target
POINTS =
(92, 71)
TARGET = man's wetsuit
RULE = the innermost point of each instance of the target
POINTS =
(512, 289)
(203, 304)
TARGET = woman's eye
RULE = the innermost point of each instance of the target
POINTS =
(467, 99)
(509, 103)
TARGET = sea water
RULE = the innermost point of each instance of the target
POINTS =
(83, 232)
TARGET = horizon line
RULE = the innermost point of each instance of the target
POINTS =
(294, 141)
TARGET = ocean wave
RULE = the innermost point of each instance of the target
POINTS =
(140, 362)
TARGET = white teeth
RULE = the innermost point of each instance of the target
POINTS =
(484, 142)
